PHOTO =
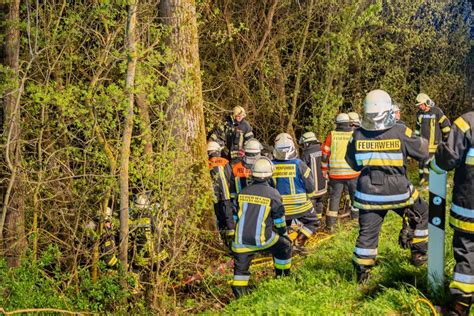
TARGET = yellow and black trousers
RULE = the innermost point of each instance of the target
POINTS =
(463, 278)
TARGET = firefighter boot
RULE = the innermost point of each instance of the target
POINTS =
(280, 272)
(418, 259)
(240, 291)
(460, 305)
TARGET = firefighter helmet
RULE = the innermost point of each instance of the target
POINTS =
(252, 149)
(252, 146)
(308, 137)
(239, 111)
(284, 147)
(423, 98)
(378, 111)
(283, 136)
(213, 146)
(354, 118)
(142, 201)
(263, 168)
(342, 118)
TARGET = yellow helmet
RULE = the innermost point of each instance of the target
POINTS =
(238, 110)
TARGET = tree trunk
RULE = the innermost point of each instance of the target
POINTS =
(127, 131)
(12, 217)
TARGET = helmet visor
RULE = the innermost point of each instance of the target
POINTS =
(378, 121)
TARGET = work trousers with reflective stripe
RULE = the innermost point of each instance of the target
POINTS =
(336, 189)
(281, 252)
(463, 278)
(424, 168)
(308, 222)
(370, 223)
(318, 205)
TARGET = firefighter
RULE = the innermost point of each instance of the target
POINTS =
(107, 242)
(233, 133)
(334, 166)
(458, 153)
(260, 209)
(312, 155)
(397, 113)
(242, 170)
(431, 124)
(293, 179)
(379, 149)
(221, 175)
(354, 119)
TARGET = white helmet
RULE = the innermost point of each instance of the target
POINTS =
(238, 110)
(396, 107)
(308, 137)
(284, 147)
(213, 146)
(283, 136)
(252, 146)
(423, 98)
(252, 149)
(342, 118)
(263, 168)
(142, 201)
(354, 118)
(378, 111)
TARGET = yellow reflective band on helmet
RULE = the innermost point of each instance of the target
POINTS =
(408, 132)
(420, 240)
(466, 226)
(462, 124)
(364, 262)
(464, 287)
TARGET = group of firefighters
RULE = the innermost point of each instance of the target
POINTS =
(260, 194)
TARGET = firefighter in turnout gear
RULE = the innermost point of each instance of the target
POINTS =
(242, 170)
(107, 242)
(431, 124)
(260, 227)
(294, 180)
(379, 149)
(312, 155)
(221, 175)
(458, 153)
(233, 134)
(335, 166)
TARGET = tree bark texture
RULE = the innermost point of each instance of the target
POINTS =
(127, 131)
(12, 217)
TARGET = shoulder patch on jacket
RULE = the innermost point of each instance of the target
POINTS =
(462, 124)
(408, 132)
